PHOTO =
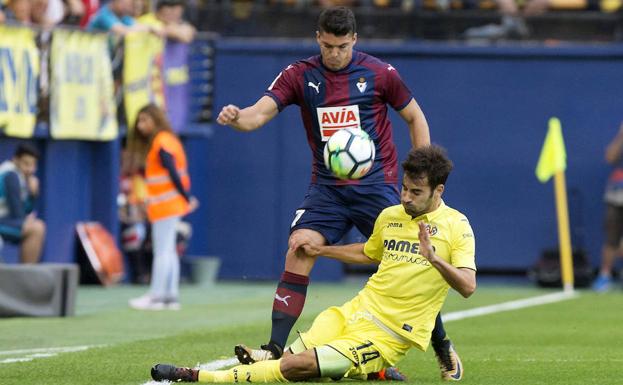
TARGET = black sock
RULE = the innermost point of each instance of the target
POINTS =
(287, 307)
(439, 333)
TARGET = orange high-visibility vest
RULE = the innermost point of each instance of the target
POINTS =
(163, 199)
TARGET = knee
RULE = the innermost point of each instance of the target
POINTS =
(35, 227)
(299, 367)
(301, 237)
(38, 227)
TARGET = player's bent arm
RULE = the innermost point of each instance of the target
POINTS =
(460, 279)
(249, 118)
(352, 253)
(416, 121)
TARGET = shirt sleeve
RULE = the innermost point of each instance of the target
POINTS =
(128, 20)
(374, 246)
(463, 249)
(283, 88)
(397, 93)
(169, 163)
(106, 20)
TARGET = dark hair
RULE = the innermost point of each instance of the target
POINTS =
(157, 114)
(26, 149)
(169, 3)
(430, 161)
(138, 143)
(339, 21)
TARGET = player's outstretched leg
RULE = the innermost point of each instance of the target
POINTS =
(265, 371)
(287, 307)
(448, 359)
(166, 372)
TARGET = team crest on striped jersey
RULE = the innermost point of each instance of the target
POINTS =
(332, 119)
(362, 85)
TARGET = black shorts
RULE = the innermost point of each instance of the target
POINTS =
(334, 210)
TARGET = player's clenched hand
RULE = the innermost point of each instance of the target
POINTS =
(426, 247)
(311, 250)
(301, 242)
(228, 115)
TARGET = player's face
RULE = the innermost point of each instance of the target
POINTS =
(26, 164)
(417, 197)
(336, 51)
(145, 124)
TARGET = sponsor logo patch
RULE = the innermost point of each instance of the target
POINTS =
(332, 119)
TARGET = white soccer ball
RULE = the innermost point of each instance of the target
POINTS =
(349, 153)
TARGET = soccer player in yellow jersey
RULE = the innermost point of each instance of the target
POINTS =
(423, 248)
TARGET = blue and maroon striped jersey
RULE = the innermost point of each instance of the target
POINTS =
(355, 96)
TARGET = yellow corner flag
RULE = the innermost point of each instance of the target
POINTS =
(553, 162)
(553, 154)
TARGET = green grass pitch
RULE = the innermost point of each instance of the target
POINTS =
(576, 341)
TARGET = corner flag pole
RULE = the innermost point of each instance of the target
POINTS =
(564, 237)
(553, 162)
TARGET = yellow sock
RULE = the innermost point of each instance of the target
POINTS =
(262, 371)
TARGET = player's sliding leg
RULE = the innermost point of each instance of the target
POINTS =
(449, 361)
(305, 365)
(288, 302)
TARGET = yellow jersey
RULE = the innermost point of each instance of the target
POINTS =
(407, 292)
(150, 19)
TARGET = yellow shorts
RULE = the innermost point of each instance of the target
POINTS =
(357, 335)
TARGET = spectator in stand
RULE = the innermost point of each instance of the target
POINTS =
(2, 16)
(19, 11)
(90, 8)
(335, 3)
(68, 12)
(116, 17)
(513, 24)
(139, 8)
(169, 19)
(613, 222)
(73, 11)
(19, 189)
(38, 14)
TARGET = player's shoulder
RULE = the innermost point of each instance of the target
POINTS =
(393, 213)
(373, 62)
(454, 214)
(165, 137)
(455, 218)
(304, 64)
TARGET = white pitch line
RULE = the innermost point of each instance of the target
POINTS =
(454, 316)
(25, 355)
(511, 305)
(218, 364)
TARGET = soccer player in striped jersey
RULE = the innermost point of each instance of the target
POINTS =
(338, 88)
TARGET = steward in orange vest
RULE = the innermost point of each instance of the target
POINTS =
(166, 176)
